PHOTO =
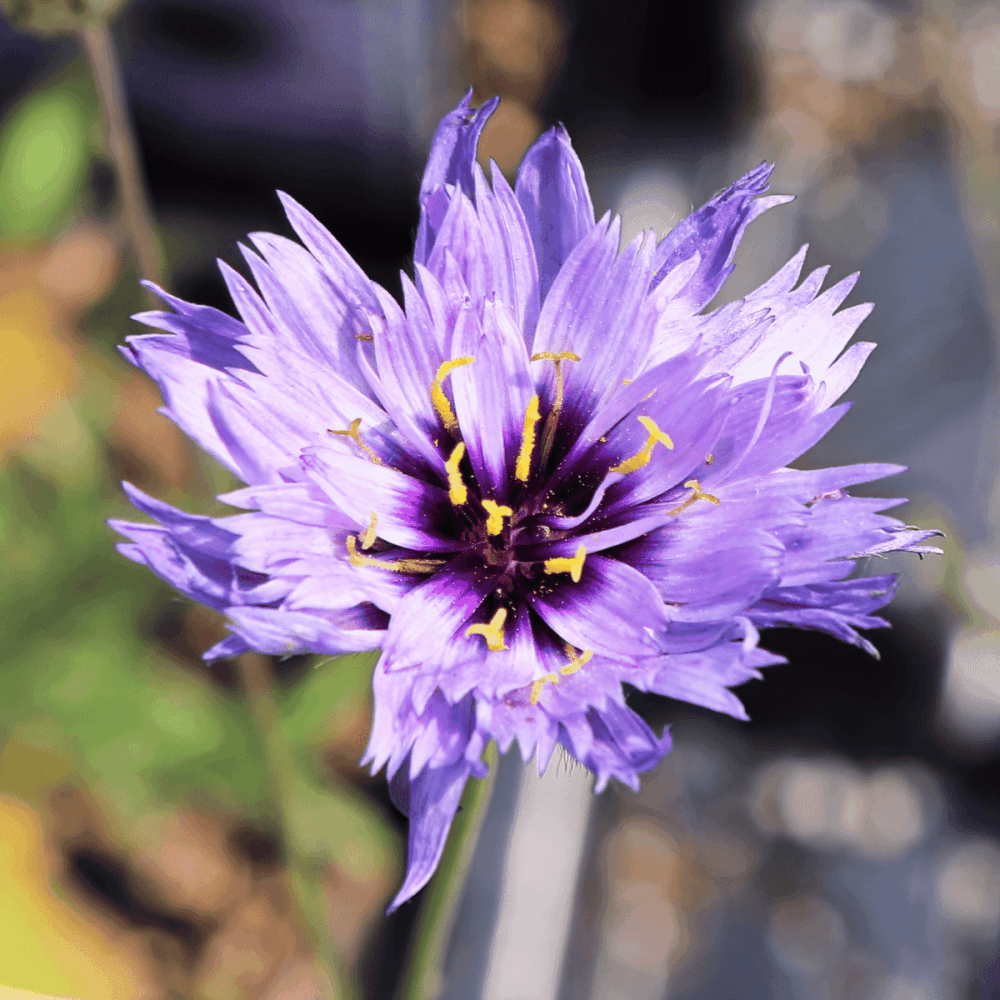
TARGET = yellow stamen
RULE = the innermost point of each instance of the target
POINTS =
(642, 457)
(626, 381)
(552, 420)
(353, 434)
(364, 336)
(522, 468)
(497, 512)
(394, 566)
(492, 632)
(369, 537)
(539, 685)
(693, 484)
(576, 661)
(457, 492)
(555, 356)
(572, 566)
(439, 399)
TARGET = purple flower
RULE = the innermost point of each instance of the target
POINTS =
(548, 475)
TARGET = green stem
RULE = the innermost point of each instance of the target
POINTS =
(425, 976)
(137, 217)
(303, 872)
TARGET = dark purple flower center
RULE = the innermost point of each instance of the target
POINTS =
(513, 541)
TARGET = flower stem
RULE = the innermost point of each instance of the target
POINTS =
(425, 975)
(137, 216)
(303, 872)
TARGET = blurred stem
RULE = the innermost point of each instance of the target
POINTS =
(425, 976)
(137, 216)
(304, 873)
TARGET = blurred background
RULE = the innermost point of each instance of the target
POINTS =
(843, 844)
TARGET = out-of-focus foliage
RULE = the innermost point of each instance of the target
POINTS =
(45, 149)
(49, 17)
(117, 746)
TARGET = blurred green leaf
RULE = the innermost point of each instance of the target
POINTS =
(83, 675)
(44, 153)
(336, 825)
(150, 732)
(326, 701)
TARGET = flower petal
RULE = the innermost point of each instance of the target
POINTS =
(714, 231)
(186, 384)
(491, 395)
(452, 155)
(595, 310)
(284, 633)
(716, 560)
(411, 513)
(506, 234)
(433, 611)
(553, 193)
(433, 799)
(461, 246)
(704, 677)
(839, 529)
(838, 607)
(614, 743)
(614, 610)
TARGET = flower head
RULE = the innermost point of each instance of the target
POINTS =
(549, 474)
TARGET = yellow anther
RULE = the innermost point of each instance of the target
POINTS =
(626, 381)
(539, 685)
(642, 457)
(497, 512)
(552, 420)
(491, 632)
(576, 661)
(457, 492)
(352, 433)
(395, 565)
(572, 566)
(522, 468)
(555, 356)
(439, 399)
(693, 484)
(364, 336)
(369, 537)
